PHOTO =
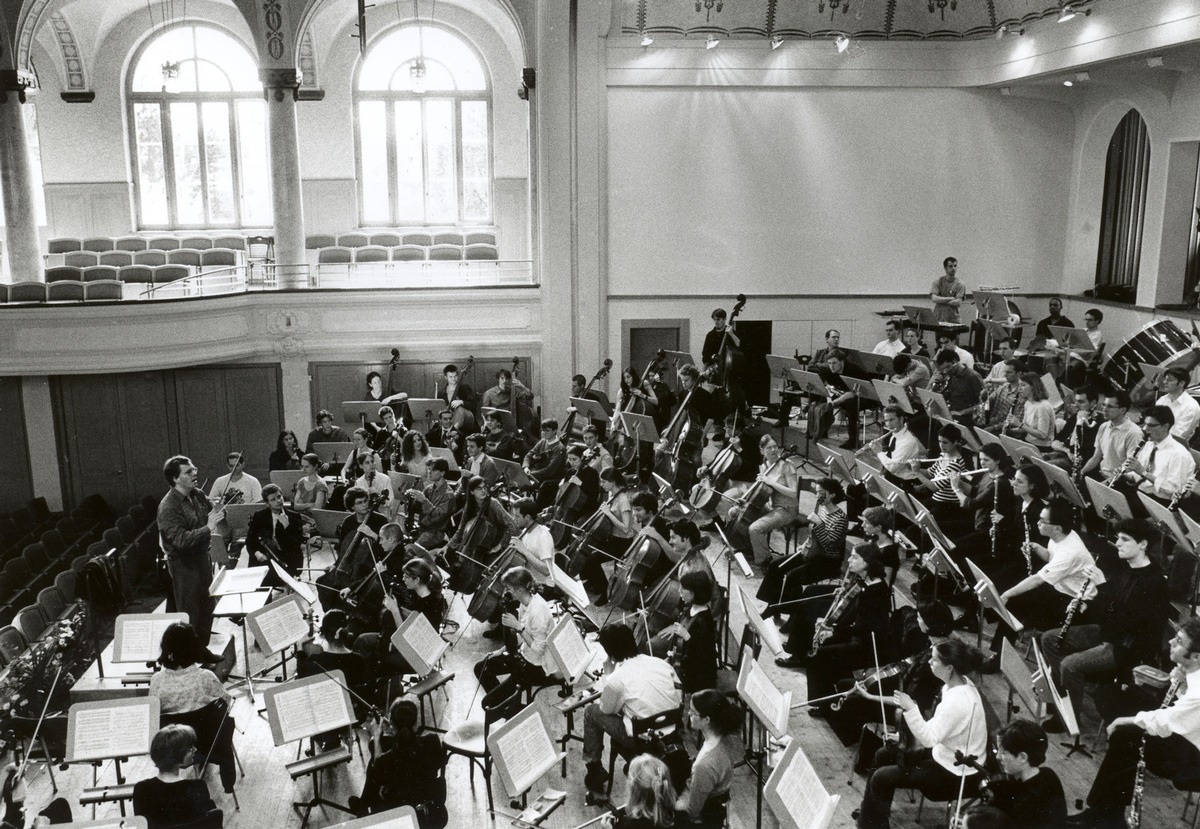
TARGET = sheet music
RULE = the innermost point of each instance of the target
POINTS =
(524, 748)
(100, 731)
(571, 586)
(279, 625)
(303, 710)
(138, 636)
(760, 693)
(242, 580)
(402, 817)
(304, 591)
(569, 649)
(800, 792)
(419, 643)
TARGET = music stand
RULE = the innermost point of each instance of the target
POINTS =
(891, 494)
(935, 404)
(873, 363)
(679, 359)
(241, 583)
(1109, 504)
(513, 474)
(985, 589)
(1060, 479)
(640, 427)
(419, 643)
(402, 817)
(968, 435)
(1166, 520)
(425, 411)
(1018, 448)
(1072, 339)
(769, 709)
(506, 418)
(939, 561)
(767, 632)
(333, 452)
(137, 637)
(278, 626)
(522, 751)
(985, 437)
(113, 729)
(591, 409)
(361, 411)
(1020, 682)
(570, 651)
(1152, 373)
(795, 793)
(810, 382)
(892, 394)
(781, 380)
(1043, 684)
(286, 480)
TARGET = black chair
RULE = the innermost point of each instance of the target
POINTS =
(65, 584)
(469, 739)
(214, 728)
(39, 567)
(51, 603)
(648, 734)
(19, 578)
(12, 644)
(30, 622)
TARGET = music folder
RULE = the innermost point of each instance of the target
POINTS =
(112, 728)
(137, 637)
(865, 389)
(279, 625)
(522, 750)
(1020, 681)
(767, 632)
(307, 707)
(402, 817)
(1105, 498)
(419, 643)
(570, 651)
(1060, 479)
(935, 404)
(1165, 519)
(240, 580)
(1073, 339)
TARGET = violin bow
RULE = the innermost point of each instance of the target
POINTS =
(41, 719)
(879, 682)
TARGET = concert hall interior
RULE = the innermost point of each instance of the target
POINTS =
(859, 333)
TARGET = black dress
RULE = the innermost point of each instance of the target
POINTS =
(171, 804)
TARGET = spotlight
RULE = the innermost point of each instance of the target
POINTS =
(1068, 83)
(1067, 12)
(842, 42)
(776, 42)
(647, 40)
(712, 42)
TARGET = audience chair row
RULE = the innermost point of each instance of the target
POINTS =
(406, 253)
(101, 244)
(214, 257)
(393, 240)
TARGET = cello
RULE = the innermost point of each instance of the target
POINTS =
(749, 507)
(640, 559)
(713, 478)
(680, 445)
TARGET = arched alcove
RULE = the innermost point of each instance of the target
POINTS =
(1123, 210)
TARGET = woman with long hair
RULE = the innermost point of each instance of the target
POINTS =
(414, 453)
(651, 800)
(1036, 425)
(705, 798)
(287, 454)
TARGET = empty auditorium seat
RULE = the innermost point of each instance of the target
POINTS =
(230, 242)
(258, 248)
(64, 582)
(64, 292)
(99, 243)
(162, 243)
(480, 238)
(370, 253)
(386, 240)
(105, 289)
(218, 258)
(422, 239)
(30, 622)
(150, 257)
(334, 256)
(27, 292)
(130, 243)
(447, 238)
(81, 259)
(352, 240)
(116, 258)
(184, 256)
(318, 241)
(409, 253)
(3, 292)
(170, 273)
(196, 242)
(64, 273)
(446, 253)
(137, 274)
(482, 251)
(65, 245)
(97, 272)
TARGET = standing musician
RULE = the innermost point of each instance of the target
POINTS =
(637, 395)
(479, 462)
(701, 407)
(433, 504)
(1040, 600)
(186, 524)
(276, 534)
(1027, 795)
(948, 293)
(818, 559)
(1164, 467)
(958, 724)
(546, 463)
(720, 333)
(963, 387)
(1174, 382)
(778, 480)
(635, 686)
(443, 435)
(533, 663)
(236, 480)
(326, 432)
(481, 504)
(1127, 622)
(595, 455)
(1116, 440)
(1170, 736)
(354, 538)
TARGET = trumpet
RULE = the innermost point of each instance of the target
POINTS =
(968, 474)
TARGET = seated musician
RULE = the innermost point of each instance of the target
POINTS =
(650, 803)
(479, 462)
(595, 455)
(1116, 440)
(912, 340)
(693, 638)
(635, 686)
(385, 436)
(362, 446)
(636, 395)
(831, 646)
(414, 454)
(1036, 422)
(833, 342)
(1026, 795)
(819, 558)
(325, 432)
(1170, 736)
(990, 500)
(443, 435)
(878, 526)
(1173, 383)
(897, 447)
(579, 474)
(909, 372)
(935, 489)
(962, 389)
(276, 534)
(821, 414)
(704, 802)
(422, 594)
(236, 480)
(1055, 318)
(1002, 400)
(502, 673)
(499, 442)
(891, 344)
(354, 535)
(331, 652)
(1164, 468)
(958, 724)
(546, 462)
(406, 764)
(534, 542)
(1040, 600)
(170, 799)
(1077, 437)
(377, 484)
(459, 396)
(701, 407)
(1126, 624)
(949, 342)
(1007, 350)
(286, 454)
(310, 492)
(1080, 363)
(478, 542)
(619, 506)
(434, 503)
(778, 480)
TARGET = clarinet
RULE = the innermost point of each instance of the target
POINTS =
(1133, 815)
(1124, 467)
(1027, 548)
(1077, 449)
(1073, 608)
(995, 508)
(1178, 496)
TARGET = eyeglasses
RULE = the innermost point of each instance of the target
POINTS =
(1146, 424)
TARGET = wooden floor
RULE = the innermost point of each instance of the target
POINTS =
(266, 793)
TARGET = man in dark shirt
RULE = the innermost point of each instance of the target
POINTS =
(1056, 318)
(1125, 626)
(435, 503)
(443, 435)
(963, 387)
(546, 463)
(185, 527)
(276, 533)
(821, 414)
(720, 334)
(326, 432)
(1026, 795)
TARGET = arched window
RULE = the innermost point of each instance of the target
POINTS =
(424, 131)
(199, 132)
(1126, 173)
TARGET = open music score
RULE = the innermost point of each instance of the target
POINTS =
(302, 590)
(419, 643)
(990, 597)
(769, 705)
(137, 637)
(307, 707)
(130, 822)
(766, 631)
(111, 728)
(241, 580)
(569, 649)
(522, 750)
(571, 587)
(795, 793)
(402, 817)
(279, 625)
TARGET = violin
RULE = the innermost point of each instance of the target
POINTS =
(876, 676)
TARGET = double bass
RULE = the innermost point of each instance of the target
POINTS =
(569, 425)
(676, 454)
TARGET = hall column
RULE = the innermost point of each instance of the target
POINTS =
(16, 176)
(281, 88)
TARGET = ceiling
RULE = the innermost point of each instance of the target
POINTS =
(860, 19)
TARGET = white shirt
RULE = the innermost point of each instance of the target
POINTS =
(538, 621)
(965, 357)
(538, 541)
(907, 448)
(996, 375)
(640, 687)
(1187, 414)
(1172, 469)
(1070, 563)
(1182, 717)
(888, 348)
(957, 724)
(381, 483)
(248, 485)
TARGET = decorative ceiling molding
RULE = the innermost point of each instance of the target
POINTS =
(72, 57)
(308, 61)
(860, 19)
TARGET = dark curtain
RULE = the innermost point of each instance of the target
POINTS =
(1126, 171)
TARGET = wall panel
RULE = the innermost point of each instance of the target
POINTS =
(14, 450)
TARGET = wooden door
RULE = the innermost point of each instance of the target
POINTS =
(203, 428)
(14, 449)
(90, 427)
(146, 428)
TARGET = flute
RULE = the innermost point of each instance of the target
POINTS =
(969, 474)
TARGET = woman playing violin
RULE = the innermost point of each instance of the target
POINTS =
(533, 663)
(422, 594)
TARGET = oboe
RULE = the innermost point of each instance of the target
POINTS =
(1124, 467)
(1133, 816)
(1027, 548)
(1073, 608)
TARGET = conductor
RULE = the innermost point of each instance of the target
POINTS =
(186, 524)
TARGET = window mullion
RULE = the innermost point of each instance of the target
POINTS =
(235, 149)
(393, 160)
(426, 165)
(202, 152)
(164, 114)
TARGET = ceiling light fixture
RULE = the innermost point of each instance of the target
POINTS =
(1068, 83)
(842, 42)
(1006, 29)
(1068, 12)
(647, 40)
(712, 42)
(776, 42)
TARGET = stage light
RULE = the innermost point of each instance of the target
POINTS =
(776, 42)
(842, 42)
(647, 40)
(712, 42)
